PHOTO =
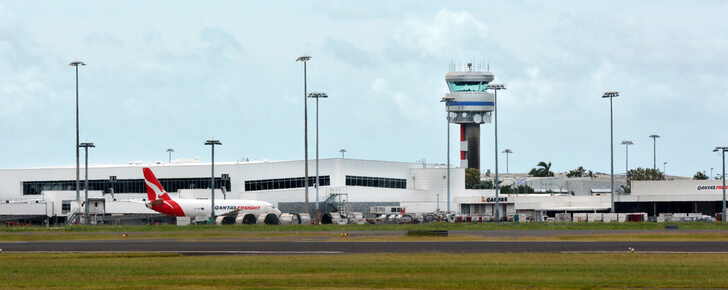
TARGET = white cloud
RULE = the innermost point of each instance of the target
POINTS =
(447, 33)
(8, 21)
(102, 38)
(604, 76)
(402, 103)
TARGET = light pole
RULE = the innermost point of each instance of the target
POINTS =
(626, 158)
(317, 96)
(723, 150)
(342, 153)
(170, 150)
(85, 212)
(654, 150)
(447, 101)
(611, 95)
(664, 171)
(212, 143)
(78, 195)
(495, 88)
(304, 59)
(711, 172)
(507, 152)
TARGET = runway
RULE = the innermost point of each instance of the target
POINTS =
(344, 247)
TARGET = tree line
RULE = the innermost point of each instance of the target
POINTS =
(543, 169)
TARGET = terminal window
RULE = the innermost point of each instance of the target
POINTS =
(376, 182)
(124, 185)
(65, 206)
(285, 183)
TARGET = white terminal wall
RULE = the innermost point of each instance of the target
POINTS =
(674, 190)
(40, 208)
(675, 187)
(541, 202)
(421, 194)
(424, 182)
(127, 207)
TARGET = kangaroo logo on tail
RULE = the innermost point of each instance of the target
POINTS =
(155, 190)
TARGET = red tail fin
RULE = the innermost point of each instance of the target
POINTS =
(402, 213)
(154, 188)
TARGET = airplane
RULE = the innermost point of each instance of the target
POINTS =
(241, 209)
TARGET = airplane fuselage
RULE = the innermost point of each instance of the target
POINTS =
(197, 207)
(161, 202)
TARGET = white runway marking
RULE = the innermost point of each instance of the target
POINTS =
(259, 252)
(640, 252)
(200, 252)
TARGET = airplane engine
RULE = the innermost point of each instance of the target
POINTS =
(246, 219)
(268, 219)
(224, 220)
(218, 220)
(326, 219)
(304, 218)
(289, 219)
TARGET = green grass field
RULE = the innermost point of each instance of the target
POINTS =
(420, 271)
(570, 232)
(413, 271)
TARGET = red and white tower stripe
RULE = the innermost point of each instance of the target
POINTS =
(463, 148)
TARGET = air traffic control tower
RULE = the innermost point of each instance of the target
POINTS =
(469, 105)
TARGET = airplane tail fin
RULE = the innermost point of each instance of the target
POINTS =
(402, 213)
(155, 190)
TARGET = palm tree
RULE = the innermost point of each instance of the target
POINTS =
(700, 176)
(472, 177)
(544, 171)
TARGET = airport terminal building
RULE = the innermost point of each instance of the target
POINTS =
(117, 192)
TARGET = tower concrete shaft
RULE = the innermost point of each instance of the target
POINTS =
(470, 146)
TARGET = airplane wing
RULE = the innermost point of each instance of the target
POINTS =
(232, 213)
(236, 212)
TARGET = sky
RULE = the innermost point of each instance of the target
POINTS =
(172, 74)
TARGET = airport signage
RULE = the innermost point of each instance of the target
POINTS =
(492, 199)
(232, 207)
(710, 187)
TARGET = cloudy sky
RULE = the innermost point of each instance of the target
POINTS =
(171, 74)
